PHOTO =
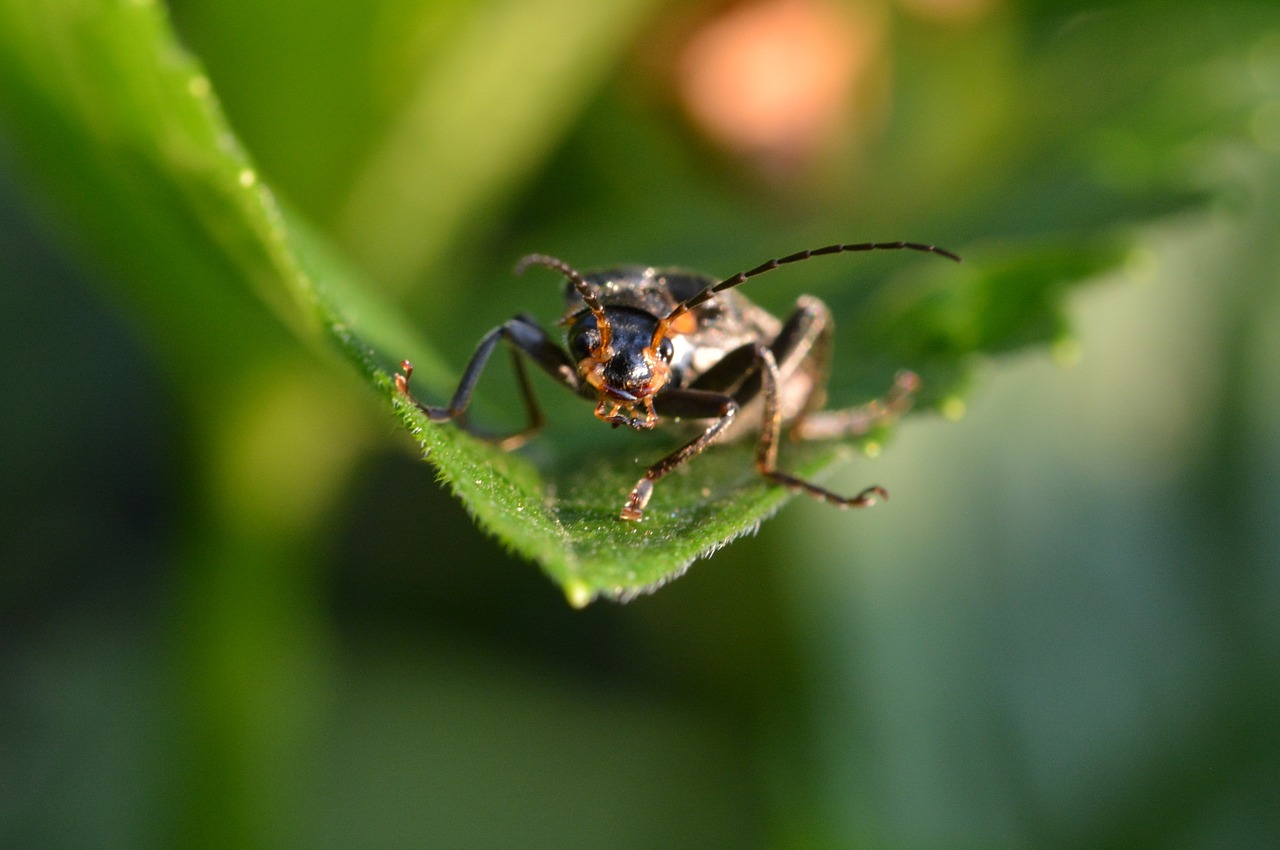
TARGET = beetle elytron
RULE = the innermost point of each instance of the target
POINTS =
(647, 343)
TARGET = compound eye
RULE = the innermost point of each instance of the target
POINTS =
(665, 350)
(584, 343)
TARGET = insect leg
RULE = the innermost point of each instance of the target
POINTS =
(699, 404)
(805, 341)
(767, 447)
(803, 345)
(731, 374)
(856, 421)
(536, 417)
(525, 338)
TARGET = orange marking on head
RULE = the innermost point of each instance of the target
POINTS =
(685, 323)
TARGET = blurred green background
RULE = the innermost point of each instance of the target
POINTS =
(225, 625)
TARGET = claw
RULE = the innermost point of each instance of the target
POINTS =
(633, 510)
(402, 381)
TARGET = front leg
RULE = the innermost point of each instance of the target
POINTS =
(697, 404)
(527, 339)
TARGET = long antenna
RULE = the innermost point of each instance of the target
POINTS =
(741, 277)
(584, 289)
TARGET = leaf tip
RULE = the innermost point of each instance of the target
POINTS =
(578, 593)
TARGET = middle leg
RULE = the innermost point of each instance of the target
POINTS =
(805, 343)
(767, 446)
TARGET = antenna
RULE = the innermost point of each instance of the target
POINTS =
(584, 289)
(768, 266)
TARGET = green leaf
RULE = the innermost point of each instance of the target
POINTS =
(566, 514)
(121, 124)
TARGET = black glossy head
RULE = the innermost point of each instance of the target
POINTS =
(629, 369)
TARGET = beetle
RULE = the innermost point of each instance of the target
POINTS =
(648, 344)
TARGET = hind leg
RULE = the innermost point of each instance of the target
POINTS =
(856, 421)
